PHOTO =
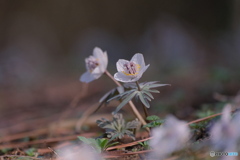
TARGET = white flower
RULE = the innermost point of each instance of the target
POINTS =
(236, 120)
(96, 65)
(169, 137)
(130, 71)
(224, 133)
(78, 152)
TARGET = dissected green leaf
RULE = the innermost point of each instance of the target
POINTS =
(111, 93)
(157, 85)
(144, 94)
(117, 128)
(146, 97)
(152, 90)
(121, 95)
(143, 100)
(148, 94)
(125, 101)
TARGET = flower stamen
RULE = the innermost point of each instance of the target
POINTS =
(131, 69)
(91, 63)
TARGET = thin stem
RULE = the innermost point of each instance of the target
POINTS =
(139, 88)
(110, 76)
(144, 107)
(136, 112)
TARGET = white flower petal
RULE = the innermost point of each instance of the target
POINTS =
(225, 132)
(105, 60)
(226, 114)
(87, 77)
(101, 57)
(143, 69)
(96, 65)
(138, 59)
(97, 72)
(169, 137)
(119, 76)
(97, 53)
(120, 64)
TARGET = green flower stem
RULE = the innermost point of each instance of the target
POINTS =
(144, 107)
(136, 112)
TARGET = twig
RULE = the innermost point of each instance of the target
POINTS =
(19, 156)
(53, 151)
(25, 134)
(28, 125)
(205, 118)
(48, 140)
(208, 117)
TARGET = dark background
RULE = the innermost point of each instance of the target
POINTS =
(191, 44)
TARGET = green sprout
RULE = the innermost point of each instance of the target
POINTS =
(155, 121)
(31, 152)
(145, 144)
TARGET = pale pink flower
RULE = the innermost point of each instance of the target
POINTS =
(130, 71)
(171, 136)
(96, 65)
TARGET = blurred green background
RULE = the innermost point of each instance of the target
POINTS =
(191, 44)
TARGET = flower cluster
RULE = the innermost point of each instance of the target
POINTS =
(128, 71)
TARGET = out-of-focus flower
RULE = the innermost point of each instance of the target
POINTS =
(170, 137)
(236, 120)
(76, 152)
(96, 65)
(130, 71)
(224, 134)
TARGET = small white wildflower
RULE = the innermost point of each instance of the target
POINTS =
(130, 71)
(224, 133)
(96, 65)
(170, 137)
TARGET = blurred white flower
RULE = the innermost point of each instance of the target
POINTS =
(170, 137)
(96, 65)
(76, 152)
(224, 133)
(235, 121)
(130, 71)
